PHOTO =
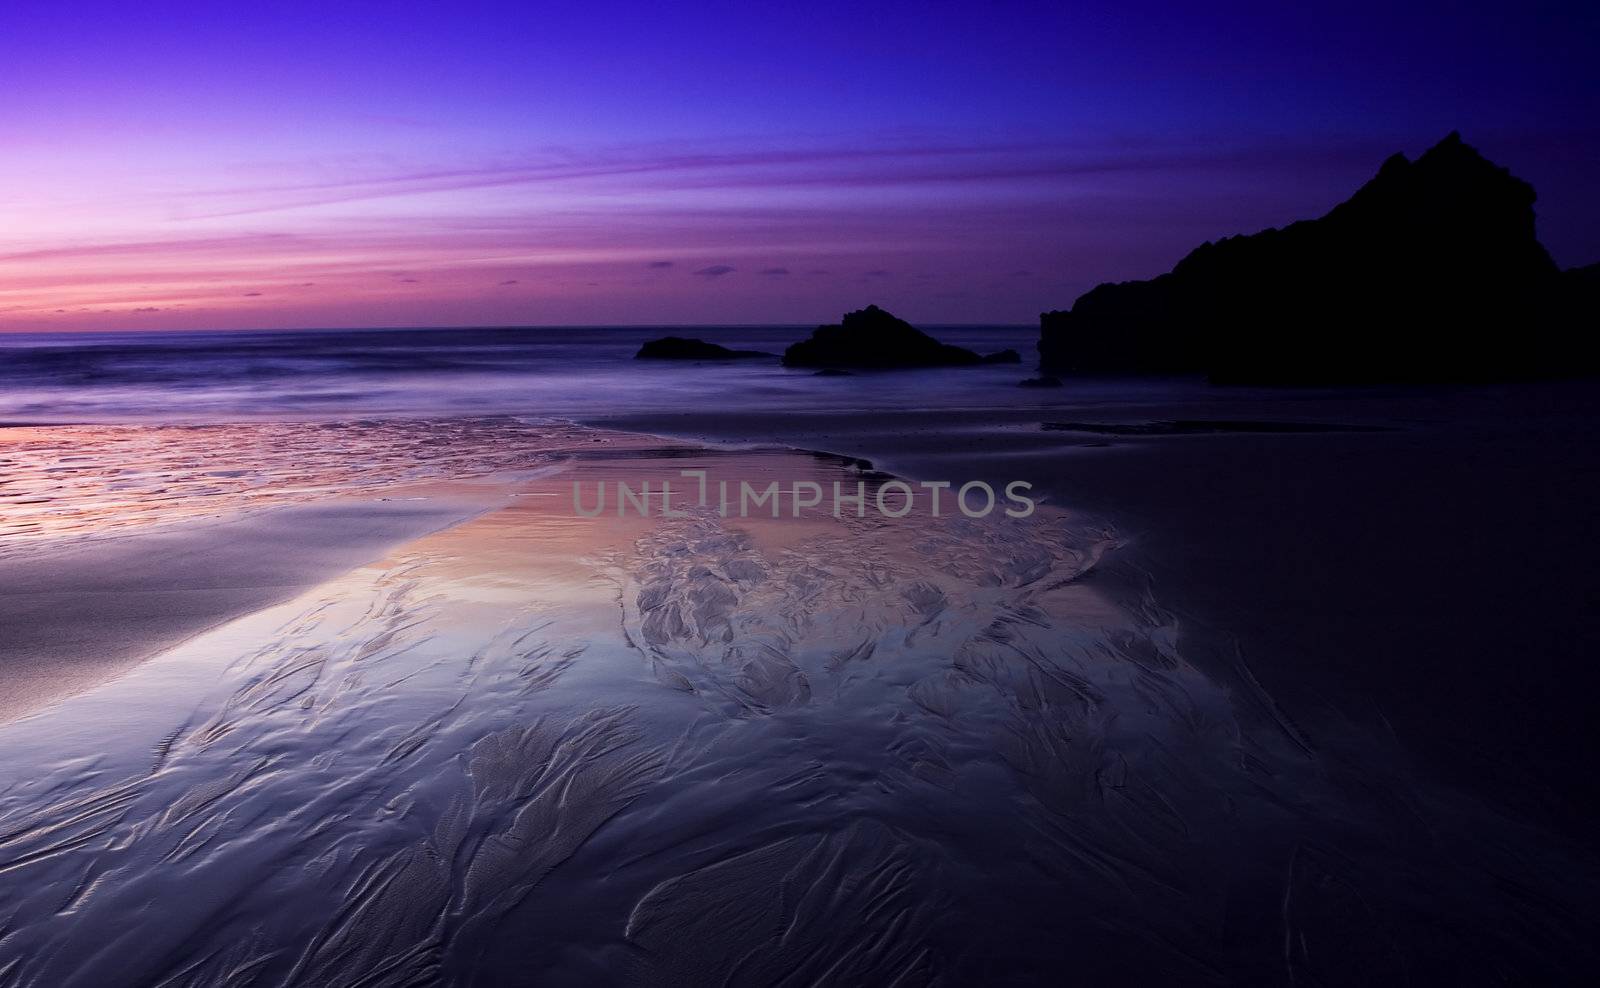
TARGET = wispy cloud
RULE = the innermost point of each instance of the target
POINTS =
(683, 167)
(164, 248)
(655, 167)
(624, 220)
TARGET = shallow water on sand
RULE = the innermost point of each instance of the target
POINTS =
(89, 481)
(544, 749)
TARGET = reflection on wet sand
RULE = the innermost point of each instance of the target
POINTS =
(90, 481)
(538, 748)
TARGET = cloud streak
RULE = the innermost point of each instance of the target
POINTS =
(674, 168)
(622, 221)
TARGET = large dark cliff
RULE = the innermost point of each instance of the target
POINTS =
(1431, 271)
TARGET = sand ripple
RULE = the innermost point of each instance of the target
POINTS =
(534, 750)
(78, 481)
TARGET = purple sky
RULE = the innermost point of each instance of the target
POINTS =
(194, 166)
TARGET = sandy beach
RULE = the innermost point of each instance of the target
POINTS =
(1378, 559)
(538, 747)
(119, 542)
(76, 616)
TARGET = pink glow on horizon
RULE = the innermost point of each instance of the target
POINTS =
(195, 165)
(943, 231)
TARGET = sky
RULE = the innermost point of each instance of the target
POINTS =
(208, 166)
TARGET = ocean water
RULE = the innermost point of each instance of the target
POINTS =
(320, 374)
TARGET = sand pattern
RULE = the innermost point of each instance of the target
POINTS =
(88, 481)
(544, 749)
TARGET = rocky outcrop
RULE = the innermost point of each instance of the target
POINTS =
(1580, 297)
(1431, 271)
(682, 348)
(873, 339)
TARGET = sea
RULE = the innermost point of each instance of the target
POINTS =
(573, 371)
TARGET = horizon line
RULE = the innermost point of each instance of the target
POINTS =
(480, 326)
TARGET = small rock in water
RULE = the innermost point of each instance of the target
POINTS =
(684, 348)
(873, 339)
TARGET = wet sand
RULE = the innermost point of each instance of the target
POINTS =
(76, 615)
(120, 541)
(1410, 564)
(536, 748)
(78, 483)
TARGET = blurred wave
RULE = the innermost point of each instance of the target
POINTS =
(203, 376)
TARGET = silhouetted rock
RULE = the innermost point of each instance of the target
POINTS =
(681, 348)
(1002, 357)
(1586, 278)
(1431, 271)
(1580, 297)
(1042, 381)
(871, 338)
